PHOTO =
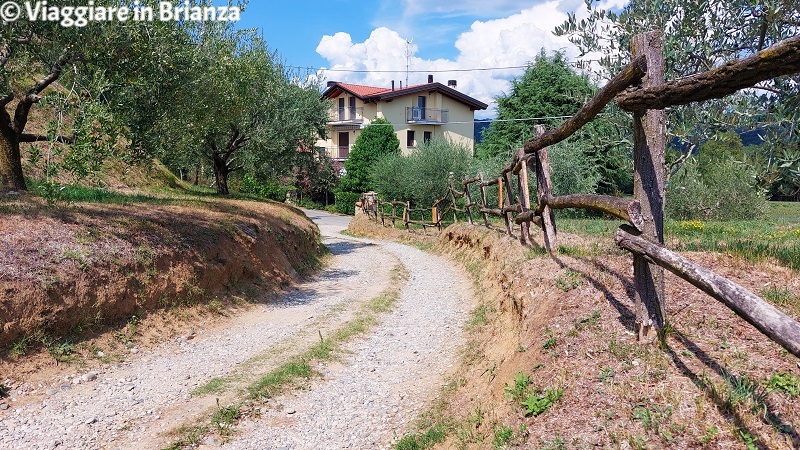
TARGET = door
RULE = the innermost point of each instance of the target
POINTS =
(421, 106)
(352, 108)
(344, 144)
(341, 109)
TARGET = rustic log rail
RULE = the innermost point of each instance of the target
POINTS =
(643, 237)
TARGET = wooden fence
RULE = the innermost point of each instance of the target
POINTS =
(640, 89)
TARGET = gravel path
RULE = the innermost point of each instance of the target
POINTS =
(364, 403)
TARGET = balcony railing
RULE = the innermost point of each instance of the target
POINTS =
(416, 114)
(339, 152)
(348, 115)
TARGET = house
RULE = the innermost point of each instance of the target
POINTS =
(418, 114)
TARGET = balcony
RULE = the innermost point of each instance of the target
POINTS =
(339, 152)
(416, 114)
(346, 116)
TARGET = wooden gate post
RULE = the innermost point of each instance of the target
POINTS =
(649, 142)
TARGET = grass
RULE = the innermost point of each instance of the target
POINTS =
(420, 441)
(777, 236)
(291, 374)
(214, 385)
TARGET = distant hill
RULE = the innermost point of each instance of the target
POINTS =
(481, 125)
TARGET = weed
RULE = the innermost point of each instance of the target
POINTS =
(214, 385)
(502, 436)
(781, 296)
(535, 252)
(656, 418)
(605, 373)
(383, 303)
(550, 343)
(517, 392)
(144, 256)
(569, 281)
(748, 439)
(577, 251)
(588, 321)
(126, 335)
(189, 437)
(60, 351)
(785, 382)
(743, 390)
(468, 431)
(420, 441)
(539, 402)
(709, 435)
(20, 346)
(479, 318)
(215, 306)
(224, 418)
(273, 382)
(558, 443)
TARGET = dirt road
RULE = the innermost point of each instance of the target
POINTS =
(365, 401)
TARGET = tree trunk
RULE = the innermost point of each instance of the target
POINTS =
(11, 176)
(221, 172)
(649, 142)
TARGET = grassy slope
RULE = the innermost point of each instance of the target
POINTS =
(558, 344)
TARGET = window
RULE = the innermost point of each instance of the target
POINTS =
(426, 136)
(410, 138)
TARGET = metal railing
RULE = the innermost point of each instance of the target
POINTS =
(339, 152)
(416, 114)
(346, 115)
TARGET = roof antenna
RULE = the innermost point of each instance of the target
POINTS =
(408, 57)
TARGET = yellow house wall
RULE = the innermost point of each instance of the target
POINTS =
(459, 127)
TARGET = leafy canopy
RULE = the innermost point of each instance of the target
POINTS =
(377, 140)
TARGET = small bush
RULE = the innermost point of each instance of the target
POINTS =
(346, 202)
(724, 190)
(422, 176)
(272, 190)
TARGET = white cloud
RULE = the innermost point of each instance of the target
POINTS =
(510, 41)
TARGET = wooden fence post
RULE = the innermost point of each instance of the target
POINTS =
(649, 141)
(469, 202)
(545, 189)
(483, 200)
(524, 198)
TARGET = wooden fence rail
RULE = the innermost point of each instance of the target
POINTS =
(644, 235)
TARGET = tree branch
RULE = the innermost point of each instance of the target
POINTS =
(782, 58)
(24, 106)
(26, 137)
(630, 75)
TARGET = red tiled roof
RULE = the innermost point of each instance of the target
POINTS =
(372, 93)
(361, 90)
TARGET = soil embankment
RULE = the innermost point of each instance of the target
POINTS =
(63, 270)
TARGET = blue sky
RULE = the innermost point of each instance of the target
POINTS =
(370, 37)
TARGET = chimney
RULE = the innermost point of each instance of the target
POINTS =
(393, 84)
(401, 84)
(430, 79)
(452, 84)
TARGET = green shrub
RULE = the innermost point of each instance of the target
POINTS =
(723, 190)
(272, 190)
(346, 202)
(422, 176)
